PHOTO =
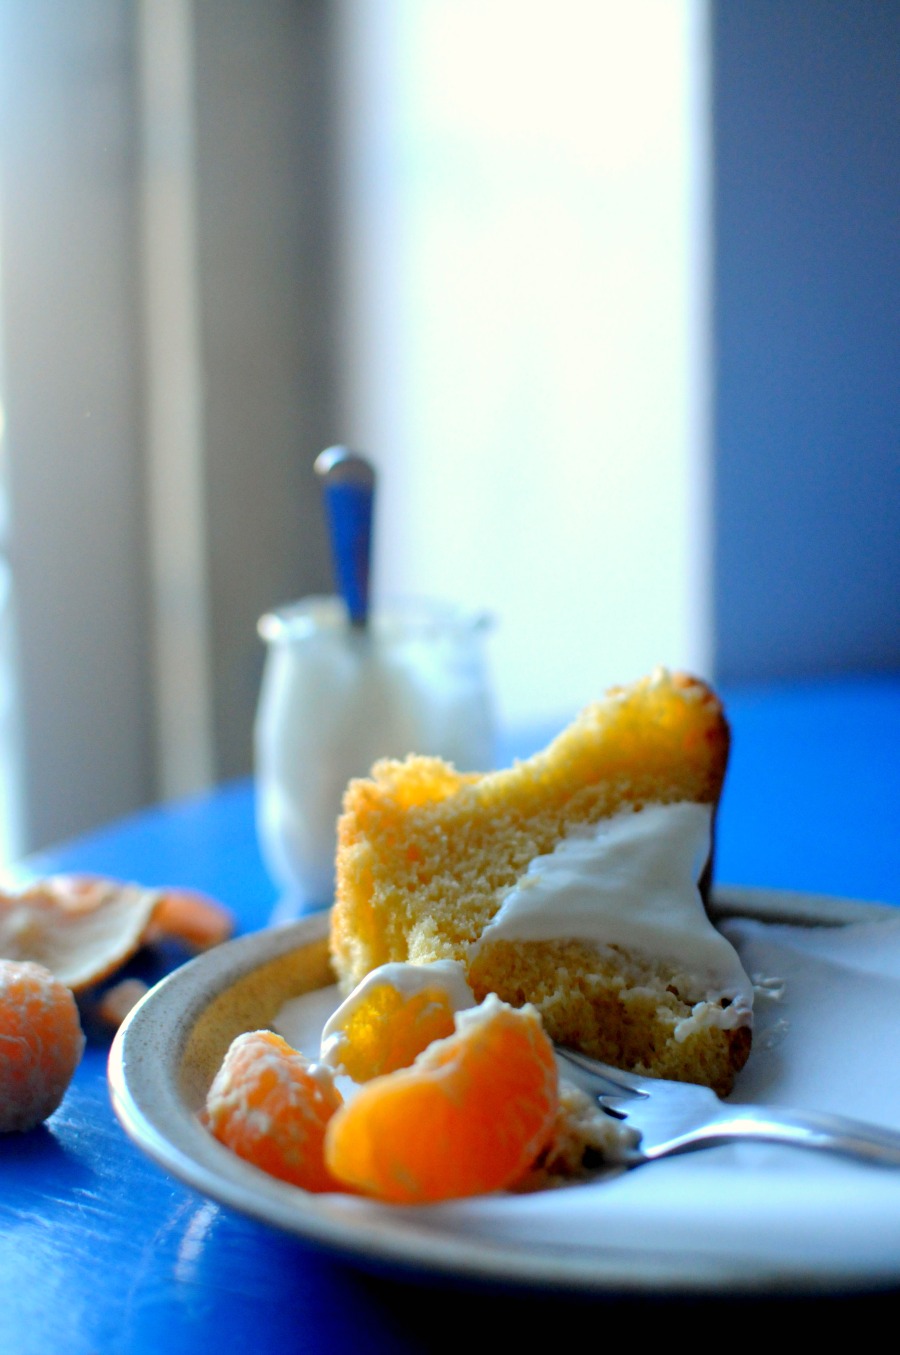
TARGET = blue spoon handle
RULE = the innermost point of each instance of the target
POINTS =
(348, 483)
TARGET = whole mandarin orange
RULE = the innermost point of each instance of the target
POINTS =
(41, 1043)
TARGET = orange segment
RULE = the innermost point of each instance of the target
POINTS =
(118, 1001)
(41, 1042)
(469, 1116)
(388, 1030)
(393, 1015)
(270, 1105)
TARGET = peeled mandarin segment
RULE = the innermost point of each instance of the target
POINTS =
(470, 1116)
(270, 1106)
(388, 1030)
(41, 1043)
(119, 1000)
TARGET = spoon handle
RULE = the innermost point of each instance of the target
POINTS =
(348, 483)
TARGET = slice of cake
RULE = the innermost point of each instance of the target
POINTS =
(572, 880)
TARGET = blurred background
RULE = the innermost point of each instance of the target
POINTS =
(609, 293)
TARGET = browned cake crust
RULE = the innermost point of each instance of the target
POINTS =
(426, 856)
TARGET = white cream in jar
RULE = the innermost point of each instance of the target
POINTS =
(335, 699)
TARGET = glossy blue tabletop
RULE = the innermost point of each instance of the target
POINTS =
(101, 1252)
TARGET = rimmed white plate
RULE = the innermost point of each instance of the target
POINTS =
(166, 1054)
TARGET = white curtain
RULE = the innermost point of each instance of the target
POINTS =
(168, 379)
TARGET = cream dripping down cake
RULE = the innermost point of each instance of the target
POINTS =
(574, 880)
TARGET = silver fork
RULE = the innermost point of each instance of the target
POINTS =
(680, 1117)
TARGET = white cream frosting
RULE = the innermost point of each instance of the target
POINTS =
(631, 881)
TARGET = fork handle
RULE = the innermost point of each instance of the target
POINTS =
(801, 1129)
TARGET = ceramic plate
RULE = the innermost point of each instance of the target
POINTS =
(165, 1056)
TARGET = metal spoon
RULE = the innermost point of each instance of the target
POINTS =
(348, 483)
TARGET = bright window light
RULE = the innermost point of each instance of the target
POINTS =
(525, 314)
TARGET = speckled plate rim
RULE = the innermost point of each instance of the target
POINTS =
(166, 1052)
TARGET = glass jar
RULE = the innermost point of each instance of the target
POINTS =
(335, 698)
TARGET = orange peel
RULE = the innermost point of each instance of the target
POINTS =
(83, 928)
(194, 919)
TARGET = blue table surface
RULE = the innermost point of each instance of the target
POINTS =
(102, 1252)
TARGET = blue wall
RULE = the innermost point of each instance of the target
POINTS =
(807, 336)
